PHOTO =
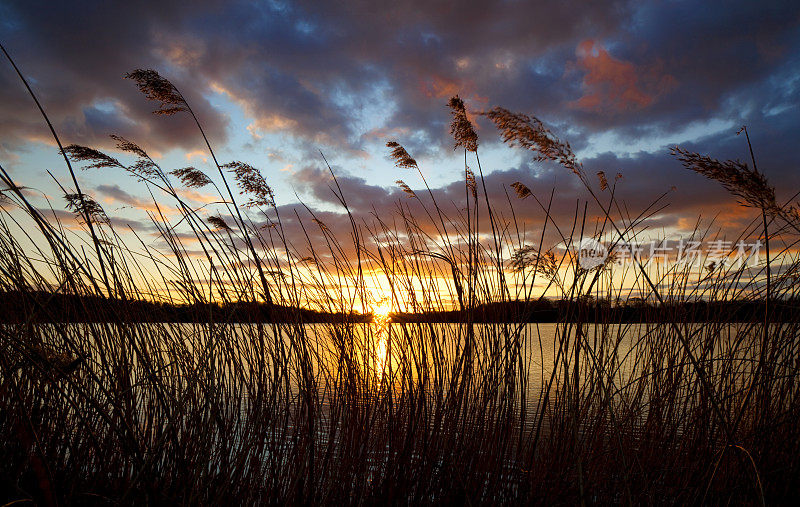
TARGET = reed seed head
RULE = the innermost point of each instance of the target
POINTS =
(410, 193)
(401, 157)
(528, 132)
(321, 224)
(218, 222)
(144, 167)
(542, 263)
(52, 359)
(85, 206)
(748, 185)
(472, 183)
(601, 176)
(159, 89)
(128, 146)
(461, 128)
(521, 189)
(253, 183)
(191, 177)
(97, 159)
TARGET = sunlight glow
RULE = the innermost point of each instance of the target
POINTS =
(381, 311)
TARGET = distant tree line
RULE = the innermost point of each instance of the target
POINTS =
(18, 307)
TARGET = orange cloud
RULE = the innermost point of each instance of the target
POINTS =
(196, 153)
(440, 87)
(611, 84)
(444, 88)
(383, 133)
(197, 197)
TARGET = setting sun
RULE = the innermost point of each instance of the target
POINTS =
(382, 310)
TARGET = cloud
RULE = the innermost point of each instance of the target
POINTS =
(75, 57)
(347, 76)
(675, 196)
(113, 193)
(321, 72)
(71, 221)
(611, 84)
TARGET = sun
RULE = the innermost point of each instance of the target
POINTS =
(382, 310)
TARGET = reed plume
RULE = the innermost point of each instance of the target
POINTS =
(750, 186)
(53, 363)
(218, 222)
(521, 189)
(529, 132)
(320, 224)
(97, 158)
(253, 183)
(401, 157)
(410, 193)
(461, 128)
(128, 146)
(85, 206)
(159, 89)
(144, 168)
(472, 183)
(530, 256)
(601, 176)
(191, 177)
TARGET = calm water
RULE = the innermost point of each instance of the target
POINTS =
(529, 356)
(233, 369)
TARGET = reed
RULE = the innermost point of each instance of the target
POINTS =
(677, 407)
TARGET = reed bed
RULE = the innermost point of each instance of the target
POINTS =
(676, 408)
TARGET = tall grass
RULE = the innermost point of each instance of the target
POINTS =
(593, 409)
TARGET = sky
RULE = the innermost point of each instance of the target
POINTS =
(279, 84)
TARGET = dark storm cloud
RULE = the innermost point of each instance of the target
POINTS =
(706, 60)
(316, 69)
(340, 74)
(75, 55)
(305, 68)
(650, 181)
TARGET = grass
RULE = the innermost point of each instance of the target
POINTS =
(683, 410)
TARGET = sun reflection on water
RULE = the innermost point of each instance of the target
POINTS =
(381, 316)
